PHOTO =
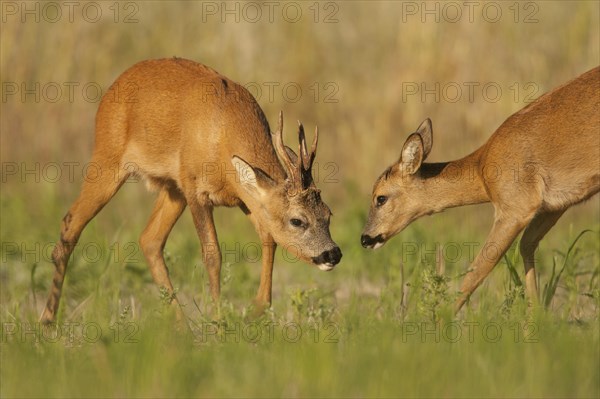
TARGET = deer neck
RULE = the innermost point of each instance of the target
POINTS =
(454, 183)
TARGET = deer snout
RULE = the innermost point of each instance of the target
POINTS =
(328, 259)
(371, 242)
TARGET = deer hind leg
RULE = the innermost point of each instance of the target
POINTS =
(503, 233)
(167, 210)
(535, 231)
(95, 193)
(211, 253)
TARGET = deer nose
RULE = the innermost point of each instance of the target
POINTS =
(367, 241)
(331, 257)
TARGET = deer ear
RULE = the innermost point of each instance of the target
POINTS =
(253, 180)
(425, 130)
(412, 154)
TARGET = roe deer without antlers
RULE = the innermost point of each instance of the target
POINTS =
(203, 141)
(545, 158)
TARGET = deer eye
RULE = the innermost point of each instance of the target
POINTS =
(296, 222)
(382, 199)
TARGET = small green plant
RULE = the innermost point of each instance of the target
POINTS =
(434, 294)
(307, 307)
(552, 284)
(166, 297)
(515, 290)
(124, 313)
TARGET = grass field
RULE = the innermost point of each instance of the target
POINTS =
(380, 324)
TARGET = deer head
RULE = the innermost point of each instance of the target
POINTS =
(399, 194)
(291, 210)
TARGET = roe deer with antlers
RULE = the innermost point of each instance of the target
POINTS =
(539, 162)
(203, 141)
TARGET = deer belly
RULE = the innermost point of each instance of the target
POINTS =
(155, 167)
(563, 191)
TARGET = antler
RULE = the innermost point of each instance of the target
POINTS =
(282, 154)
(306, 159)
(299, 172)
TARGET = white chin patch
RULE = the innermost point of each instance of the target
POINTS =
(378, 245)
(326, 266)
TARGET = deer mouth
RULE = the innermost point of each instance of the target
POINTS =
(372, 242)
(326, 267)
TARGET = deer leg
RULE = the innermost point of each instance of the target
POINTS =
(503, 233)
(211, 253)
(268, 247)
(95, 193)
(533, 234)
(263, 298)
(168, 208)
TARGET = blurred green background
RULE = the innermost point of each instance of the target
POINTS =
(367, 73)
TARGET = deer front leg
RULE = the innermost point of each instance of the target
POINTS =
(263, 297)
(503, 233)
(211, 253)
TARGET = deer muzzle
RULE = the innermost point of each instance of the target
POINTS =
(372, 242)
(328, 259)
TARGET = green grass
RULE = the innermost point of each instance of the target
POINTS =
(374, 359)
(375, 327)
